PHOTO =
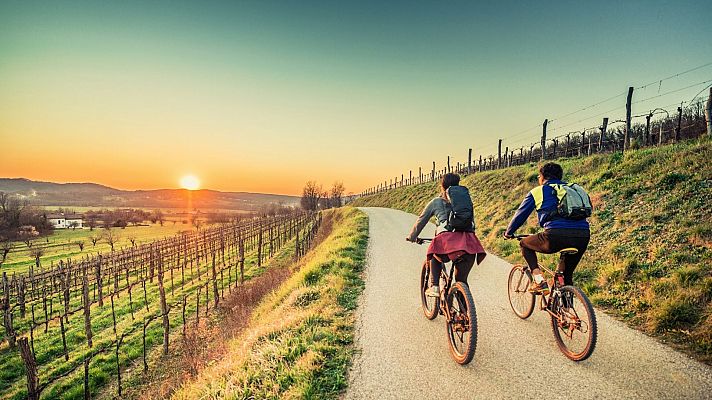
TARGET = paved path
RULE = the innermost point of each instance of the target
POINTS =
(404, 356)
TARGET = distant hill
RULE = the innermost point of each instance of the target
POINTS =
(95, 195)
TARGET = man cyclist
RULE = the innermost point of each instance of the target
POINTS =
(559, 232)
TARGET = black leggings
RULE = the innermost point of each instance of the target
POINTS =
(463, 265)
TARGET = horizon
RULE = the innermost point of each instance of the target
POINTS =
(263, 97)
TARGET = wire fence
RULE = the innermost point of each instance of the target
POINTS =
(680, 122)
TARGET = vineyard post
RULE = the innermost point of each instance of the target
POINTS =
(660, 132)
(604, 126)
(28, 359)
(185, 298)
(242, 260)
(98, 281)
(410, 177)
(86, 379)
(647, 129)
(87, 309)
(679, 122)
(589, 143)
(556, 142)
(131, 303)
(7, 312)
(543, 140)
(21, 295)
(259, 248)
(420, 174)
(164, 306)
(64, 338)
(448, 164)
(216, 296)
(113, 313)
(118, 365)
(145, 364)
(506, 161)
(708, 114)
(499, 153)
(432, 178)
(479, 167)
(626, 138)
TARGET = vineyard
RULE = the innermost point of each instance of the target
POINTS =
(74, 327)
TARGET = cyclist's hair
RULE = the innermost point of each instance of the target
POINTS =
(551, 171)
(449, 180)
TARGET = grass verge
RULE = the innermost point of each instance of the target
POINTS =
(298, 343)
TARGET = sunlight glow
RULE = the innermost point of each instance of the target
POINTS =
(190, 182)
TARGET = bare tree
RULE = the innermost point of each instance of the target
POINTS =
(37, 253)
(132, 239)
(92, 221)
(112, 237)
(336, 193)
(95, 239)
(5, 247)
(159, 217)
(80, 243)
(311, 194)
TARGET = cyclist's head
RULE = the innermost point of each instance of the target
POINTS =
(550, 171)
(449, 180)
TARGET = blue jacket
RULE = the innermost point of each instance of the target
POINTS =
(547, 215)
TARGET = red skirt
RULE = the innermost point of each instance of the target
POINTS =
(454, 244)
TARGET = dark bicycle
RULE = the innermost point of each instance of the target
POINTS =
(573, 320)
(456, 304)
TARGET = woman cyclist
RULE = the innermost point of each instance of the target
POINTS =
(463, 246)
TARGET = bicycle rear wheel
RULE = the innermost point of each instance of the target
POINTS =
(462, 326)
(574, 324)
(430, 305)
(520, 299)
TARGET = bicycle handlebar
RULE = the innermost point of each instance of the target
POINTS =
(518, 237)
(422, 240)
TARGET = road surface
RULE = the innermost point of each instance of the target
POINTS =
(402, 355)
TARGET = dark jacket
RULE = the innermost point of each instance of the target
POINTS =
(546, 210)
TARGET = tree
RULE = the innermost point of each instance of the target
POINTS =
(158, 217)
(91, 221)
(111, 237)
(132, 239)
(80, 243)
(311, 194)
(197, 223)
(37, 253)
(336, 193)
(74, 225)
(5, 247)
(95, 239)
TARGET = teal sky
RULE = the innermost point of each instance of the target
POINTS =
(263, 96)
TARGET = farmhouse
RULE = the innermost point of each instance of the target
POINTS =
(61, 221)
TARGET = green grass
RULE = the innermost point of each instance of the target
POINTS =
(298, 344)
(650, 257)
(61, 244)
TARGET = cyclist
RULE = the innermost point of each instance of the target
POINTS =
(448, 244)
(559, 232)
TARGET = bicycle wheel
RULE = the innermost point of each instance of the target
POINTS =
(430, 304)
(520, 299)
(462, 326)
(574, 324)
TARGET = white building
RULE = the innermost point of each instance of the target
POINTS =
(62, 221)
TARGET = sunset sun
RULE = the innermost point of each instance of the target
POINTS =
(190, 182)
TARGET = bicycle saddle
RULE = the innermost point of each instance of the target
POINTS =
(568, 250)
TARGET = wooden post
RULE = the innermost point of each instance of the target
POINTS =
(660, 132)
(448, 164)
(556, 142)
(469, 161)
(626, 138)
(87, 395)
(708, 113)
(604, 126)
(433, 173)
(589, 143)
(7, 312)
(499, 153)
(87, 310)
(506, 155)
(479, 168)
(647, 128)
(28, 359)
(679, 122)
(543, 140)
(259, 248)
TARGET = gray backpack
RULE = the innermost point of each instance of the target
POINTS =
(462, 216)
(574, 202)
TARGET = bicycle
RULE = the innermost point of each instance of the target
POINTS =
(456, 304)
(572, 317)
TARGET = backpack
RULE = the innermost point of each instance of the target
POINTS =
(462, 216)
(574, 202)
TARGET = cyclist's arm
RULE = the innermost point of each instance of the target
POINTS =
(423, 219)
(520, 217)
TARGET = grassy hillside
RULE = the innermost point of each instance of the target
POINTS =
(298, 342)
(650, 258)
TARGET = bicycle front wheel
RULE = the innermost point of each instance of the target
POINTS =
(462, 325)
(520, 298)
(430, 304)
(574, 324)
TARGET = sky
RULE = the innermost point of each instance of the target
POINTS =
(262, 96)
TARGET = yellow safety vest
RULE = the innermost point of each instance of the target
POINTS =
(538, 193)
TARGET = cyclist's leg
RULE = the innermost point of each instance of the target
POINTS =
(435, 269)
(463, 267)
(568, 263)
(532, 244)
